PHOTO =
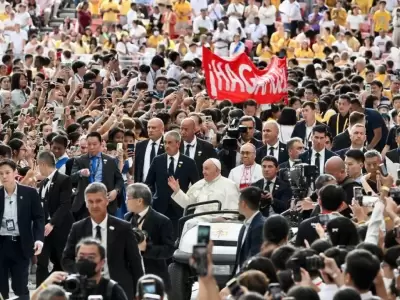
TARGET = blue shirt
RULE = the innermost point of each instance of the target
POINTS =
(96, 169)
(374, 120)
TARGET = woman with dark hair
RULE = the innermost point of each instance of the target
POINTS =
(19, 98)
(19, 151)
(309, 72)
(286, 121)
(372, 102)
(262, 264)
(342, 232)
(178, 116)
(116, 135)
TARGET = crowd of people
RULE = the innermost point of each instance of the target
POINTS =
(108, 134)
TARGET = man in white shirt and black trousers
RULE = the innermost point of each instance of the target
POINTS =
(55, 192)
(21, 231)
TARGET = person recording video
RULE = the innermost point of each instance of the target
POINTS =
(158, 243)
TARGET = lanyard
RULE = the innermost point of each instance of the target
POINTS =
(337, 124)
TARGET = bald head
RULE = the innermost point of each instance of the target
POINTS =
(155, 129)
(188, 129)
(336, 167)
(248, 154)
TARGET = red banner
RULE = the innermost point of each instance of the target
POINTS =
(238, 79)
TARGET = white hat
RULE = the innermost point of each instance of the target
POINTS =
(216, 162)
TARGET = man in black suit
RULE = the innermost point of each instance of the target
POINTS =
(159, 244)
(55, 192)
(394, 155)
(193, 147)
(21, 231)
(357, 138)
(145, 151)
(330, 200)
(295, 147)
(342, 140)
(339, 122)
(336, 167)
(123, 264)
(248, 136)
(250, 236)
(273, 146)
(276, 193)
(303, 128)
(174, 164)
(96, 167)
(317, 155)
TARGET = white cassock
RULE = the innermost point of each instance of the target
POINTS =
(245, 176)
(221, 189)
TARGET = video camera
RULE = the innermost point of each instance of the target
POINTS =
(233, 133)
(301, 176)
(78, 285)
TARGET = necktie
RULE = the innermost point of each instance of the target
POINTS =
(171, 169)
(93, 168)
(153, 151)
(267, 186)
(98, 232)
(187, 151)
(317, 155)
(45, 182)
(271, 151)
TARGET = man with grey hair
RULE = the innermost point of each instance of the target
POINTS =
(123, 261)
(158, 245)
(272, 145)
(53, 292)
(171, 164)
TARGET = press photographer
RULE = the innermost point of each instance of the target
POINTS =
(238, 132)
(154, 231)
(90, 261)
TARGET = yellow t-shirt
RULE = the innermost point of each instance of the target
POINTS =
(381, 20)
(277, 41)
(94, 7)
(3, 17)
(125, 7)
(339, 16)
(182, 8)
(300, 53)
(152, 41)
(110, 16)
(329, 40)
(262, 53)
(291, 46)
(318, 51)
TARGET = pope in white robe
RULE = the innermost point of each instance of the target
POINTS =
(212, 187)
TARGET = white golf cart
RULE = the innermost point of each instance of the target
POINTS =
(224, 236)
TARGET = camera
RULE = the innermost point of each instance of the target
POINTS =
(395, 194)
(78, 286)
(310, 263)
(140, 235)
(233, 133)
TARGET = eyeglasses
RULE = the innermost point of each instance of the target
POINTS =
(246, 153)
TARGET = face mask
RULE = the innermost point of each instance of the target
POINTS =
(86, 267)
(156, 33)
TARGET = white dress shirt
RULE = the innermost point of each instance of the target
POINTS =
(10, 213)
(257, 32)
(199, 22)
(147, 162)
(103, 226)
(276, 150)
(308, 132)
(267, 14)
(247, 224)
(235, 8)
(197, 5)
(176, 158)
(47, 186)
(142, 214)
(321, 160)
(192, 149)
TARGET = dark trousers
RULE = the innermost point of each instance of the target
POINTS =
(52, 250)
(14, 262)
